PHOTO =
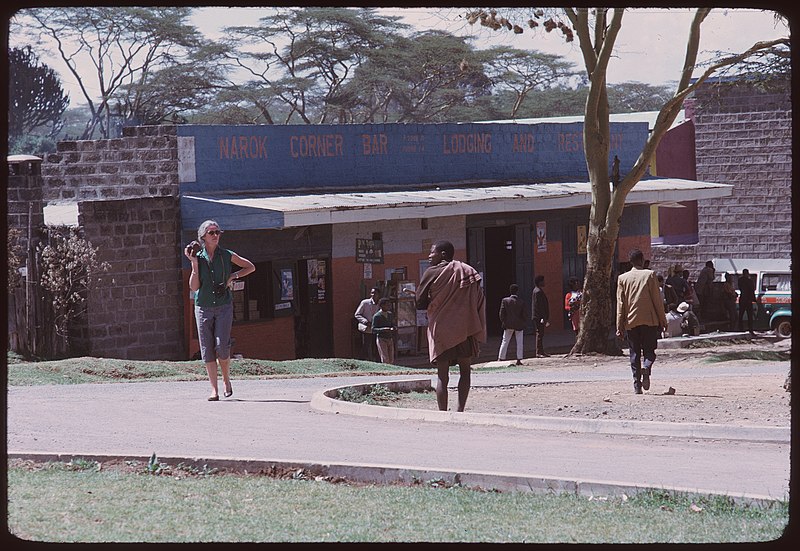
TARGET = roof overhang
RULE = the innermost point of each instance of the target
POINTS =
(254, 211)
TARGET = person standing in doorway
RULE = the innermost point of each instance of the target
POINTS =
(512, 318)
(572, 303)
(640, 316)
(540, 314)
(451, 291)
(747, 296)
(211, 279)
(384, 329)
(366, 310)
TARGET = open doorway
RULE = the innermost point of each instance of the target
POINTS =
(500, 255)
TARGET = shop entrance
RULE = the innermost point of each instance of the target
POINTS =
(573, 257)
(500, 255)
(313, 327)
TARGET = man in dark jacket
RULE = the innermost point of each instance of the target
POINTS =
(512, 317)
(747, 296)
(541, 314)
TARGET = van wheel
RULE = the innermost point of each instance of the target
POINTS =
(783, 328)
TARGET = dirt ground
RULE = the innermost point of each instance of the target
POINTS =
(741, 400)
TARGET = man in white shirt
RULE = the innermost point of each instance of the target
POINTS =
(366, 310)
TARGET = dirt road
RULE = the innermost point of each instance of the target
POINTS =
(746, 399)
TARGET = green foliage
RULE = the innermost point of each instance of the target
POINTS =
(35, 97)
(31, 144)
(81, 464)
(69, 269)
(15, 257)
(375, 395)
(154, 466)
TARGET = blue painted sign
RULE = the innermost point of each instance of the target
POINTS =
(320, 157)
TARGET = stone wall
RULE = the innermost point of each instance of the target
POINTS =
(137, 310)
(142, 163)
(24, 195)
(743, 137)
(127, 193)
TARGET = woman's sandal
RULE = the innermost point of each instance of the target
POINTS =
(213, 398)
(229, 393)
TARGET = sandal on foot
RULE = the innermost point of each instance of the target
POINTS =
(213, 398)
(229, 393)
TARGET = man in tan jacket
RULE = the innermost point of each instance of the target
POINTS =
(640, 314)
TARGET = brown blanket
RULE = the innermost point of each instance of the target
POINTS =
(457, 308)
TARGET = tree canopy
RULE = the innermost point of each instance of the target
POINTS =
(36, 99)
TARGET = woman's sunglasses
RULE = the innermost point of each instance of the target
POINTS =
(214, 232)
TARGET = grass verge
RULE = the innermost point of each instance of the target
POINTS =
(110, 370)
(81, 502)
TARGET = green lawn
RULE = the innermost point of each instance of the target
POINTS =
(80, 502)
(110, 370)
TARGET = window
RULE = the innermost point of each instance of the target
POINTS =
(776, 282)
(252, 296)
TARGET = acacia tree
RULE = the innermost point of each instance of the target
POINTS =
(303, 56)
(523, 71)
(597, 31)
(420, 78)
(122, 44)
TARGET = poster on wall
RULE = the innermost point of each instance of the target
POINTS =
(369, 251)
(581, 239)
(287, 284)
(541, 236)
(316, 280)
(367, 271)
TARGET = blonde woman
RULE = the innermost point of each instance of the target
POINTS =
(210, 280)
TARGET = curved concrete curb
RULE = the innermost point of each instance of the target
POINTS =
(325, 400)
(408, 475)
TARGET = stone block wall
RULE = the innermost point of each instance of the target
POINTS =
(24, 195)
(743, 137)
(137, 310)
(142, 163)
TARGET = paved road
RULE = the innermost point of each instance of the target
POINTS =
(274, 420)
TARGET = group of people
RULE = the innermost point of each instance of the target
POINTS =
(451, 291)
(687, 302)
(513, 316)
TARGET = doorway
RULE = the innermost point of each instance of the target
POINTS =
(573, 257)
(313, 330)
(500, 255)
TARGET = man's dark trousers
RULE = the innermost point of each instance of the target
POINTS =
(642, 341)
(539, 337)
(746, 308)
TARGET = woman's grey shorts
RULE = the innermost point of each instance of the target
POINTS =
(214, 330)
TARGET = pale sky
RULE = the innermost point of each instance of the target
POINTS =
(650, 46)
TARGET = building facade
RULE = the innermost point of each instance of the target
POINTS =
(325, 213)
(739, 133)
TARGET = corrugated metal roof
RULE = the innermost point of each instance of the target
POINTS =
(269, 211)
(640, 116)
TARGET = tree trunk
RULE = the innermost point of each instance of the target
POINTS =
(597, 302)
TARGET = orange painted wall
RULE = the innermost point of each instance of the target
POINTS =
(348, 276)
(625, 244)
(267, 340)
